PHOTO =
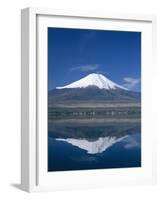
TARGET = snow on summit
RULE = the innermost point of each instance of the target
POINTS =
(93, 147)
(94, 79)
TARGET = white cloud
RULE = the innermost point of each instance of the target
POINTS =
(130, 82)
(131, 143)
(85, 68)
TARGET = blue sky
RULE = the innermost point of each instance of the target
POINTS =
(75, 53)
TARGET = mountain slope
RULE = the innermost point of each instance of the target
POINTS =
(92, 94)
(93, 147)
(95, 88)
(97, 80)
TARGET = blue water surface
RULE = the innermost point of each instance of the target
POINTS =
(101, 151)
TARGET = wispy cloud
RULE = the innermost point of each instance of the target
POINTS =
(131, 143)
(85, 68)
(86, 40)
(88, 35)
(130, 82)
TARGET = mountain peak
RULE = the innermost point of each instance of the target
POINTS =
(93, 147)
(94, 79)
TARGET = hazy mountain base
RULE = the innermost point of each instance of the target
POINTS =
(89, 94)
(92, 102)
(90, 129)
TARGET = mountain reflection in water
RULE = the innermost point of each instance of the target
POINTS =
(93, 147)
(75, 146)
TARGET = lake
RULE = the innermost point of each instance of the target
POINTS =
(75, 145)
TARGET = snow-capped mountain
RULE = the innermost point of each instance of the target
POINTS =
(97, 80)
(93, 147)
(94, 87)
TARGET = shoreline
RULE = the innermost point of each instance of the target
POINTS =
(93, 105)
(94, 121)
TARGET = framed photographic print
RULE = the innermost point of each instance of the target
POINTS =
(86, 99)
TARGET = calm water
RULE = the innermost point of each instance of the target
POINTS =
(75, 146)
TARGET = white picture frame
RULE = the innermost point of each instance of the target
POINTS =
(33, 100)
